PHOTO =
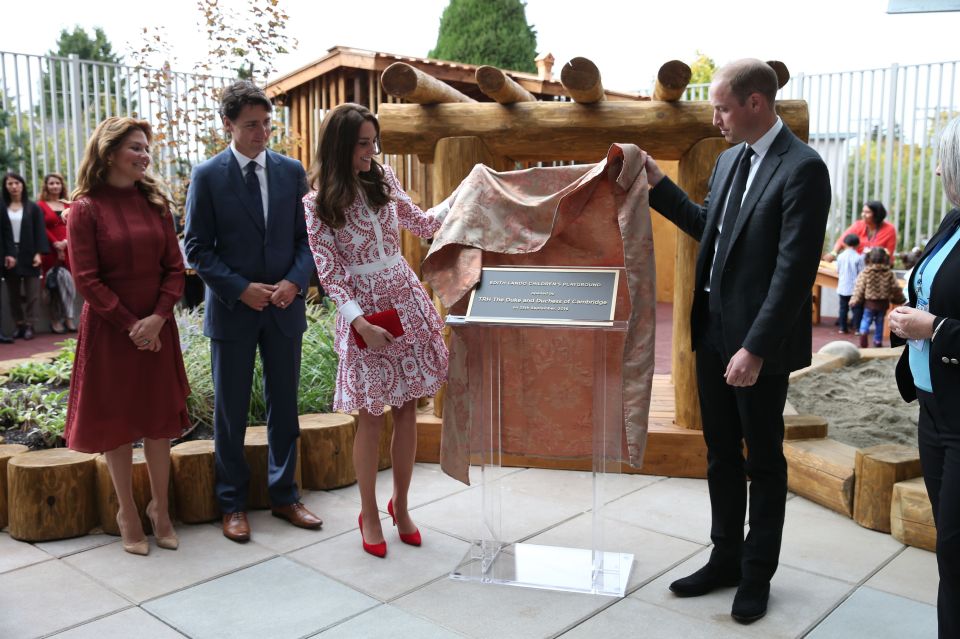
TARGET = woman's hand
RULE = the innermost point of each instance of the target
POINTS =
(36, 260)
(374, 336)
(144, 333)
(910, 323)
(828, 257)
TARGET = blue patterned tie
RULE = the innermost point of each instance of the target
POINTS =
(253, 186)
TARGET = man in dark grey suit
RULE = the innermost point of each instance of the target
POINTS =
(761, 231)
(246, 236)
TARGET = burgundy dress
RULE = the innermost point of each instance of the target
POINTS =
(126, 265)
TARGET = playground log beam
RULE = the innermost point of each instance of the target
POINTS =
(413, 85)
(581, 78)
(672, 80)
(548, 131)
(783, 73)
(501, 87)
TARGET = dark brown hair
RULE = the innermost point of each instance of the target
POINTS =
(332, 171)
(240, 94)
(878, 255)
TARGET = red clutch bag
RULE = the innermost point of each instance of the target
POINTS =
(388, 319)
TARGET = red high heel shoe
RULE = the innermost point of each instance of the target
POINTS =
(377, 550)
(413, 538)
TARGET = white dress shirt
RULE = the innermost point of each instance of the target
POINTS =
(760, 148)
(261, 171)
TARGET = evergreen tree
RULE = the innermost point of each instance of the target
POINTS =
(96, 49)
(493, 32)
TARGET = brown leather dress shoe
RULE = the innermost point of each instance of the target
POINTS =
(298, 515)
(236, 527)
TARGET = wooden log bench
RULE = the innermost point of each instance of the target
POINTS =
(107, 504)
(255, 450)
(52, 494)
(6, 452)
(822, 470)
(911, 515)
(193, 470)
(878, 468)
(804, 427)
(326, 445)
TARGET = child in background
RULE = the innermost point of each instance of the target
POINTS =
(849, 265)
(876, 288)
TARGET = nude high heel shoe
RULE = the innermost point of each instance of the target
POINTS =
(141, 547)
(171, 542)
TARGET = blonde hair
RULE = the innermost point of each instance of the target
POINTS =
(94, 166)
(44, 195)
(949, 157)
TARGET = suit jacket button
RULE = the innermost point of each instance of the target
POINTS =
(945, 360)
(954, 360)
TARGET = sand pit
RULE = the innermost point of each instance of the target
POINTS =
(860, 402)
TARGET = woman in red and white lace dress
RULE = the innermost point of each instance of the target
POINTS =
(353, 219)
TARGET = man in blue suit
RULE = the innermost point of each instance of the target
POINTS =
(247, 239)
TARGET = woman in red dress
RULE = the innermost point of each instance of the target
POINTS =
(128, 379)
(52, 202)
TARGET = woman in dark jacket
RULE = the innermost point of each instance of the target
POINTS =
(929, 370)
(30, 239)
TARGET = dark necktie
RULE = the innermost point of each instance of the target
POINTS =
(737, 189)
(253, 186)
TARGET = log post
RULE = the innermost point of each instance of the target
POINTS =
(6, 452)
(413, 85)
(672, 80)
(256, 451)
(822, 470)
(581, 78)
(194, 481)
(783, 73)
(454, 158)
(804, 427)
(501, 87)
(911, 516)
(326, 443)
(694, 172)
(107, 504)
(877, 469)
(52, 494)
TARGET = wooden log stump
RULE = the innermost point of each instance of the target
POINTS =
(783, 73)
(822, 470)
(911, 516)
(255, 449)
(498, 85)
(52, 494)
(804, 427)
(326, 444)
(413, 85)
(581, 78)
(6, 452)
(107, 504)
(672, 80)
(878, 468)
(429, 427)
(194, 481)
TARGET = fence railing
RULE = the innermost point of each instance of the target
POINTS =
(877, 131)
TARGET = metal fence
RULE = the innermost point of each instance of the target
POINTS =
(877, 131)
(51, 105)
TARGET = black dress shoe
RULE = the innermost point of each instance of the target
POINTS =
(5, 339)
(21, 329)
(750, 602)
(28, 332)
(705, 580)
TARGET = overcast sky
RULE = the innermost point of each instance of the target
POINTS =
(628, 39)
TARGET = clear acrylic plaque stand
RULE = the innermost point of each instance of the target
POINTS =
(494, 559)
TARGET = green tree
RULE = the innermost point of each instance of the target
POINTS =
(493, 32)
(702, 68)
(9, 157)
(96, 48)
(79, 42)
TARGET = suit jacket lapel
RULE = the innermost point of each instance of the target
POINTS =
(235, 180)
(725, 171)
(275, 184)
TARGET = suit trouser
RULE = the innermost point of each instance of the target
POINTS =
(939, 441)
(24, 294)
(233, 364)
(731, 416)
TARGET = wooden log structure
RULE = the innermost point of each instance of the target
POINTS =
(326, 445)
(52, 494)
(255, 449)
(409, 83)
(672, 80)
(6, 452)
(193, 470)
(548, 131)
(822, 470)
(581, 78)
(783, 73)
(804, 427)
(501, 87)
(878, 468)
(107, 504)
(911, 516)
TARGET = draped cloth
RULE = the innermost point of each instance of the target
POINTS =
(585, 215)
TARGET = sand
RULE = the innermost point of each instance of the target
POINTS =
(860, 402)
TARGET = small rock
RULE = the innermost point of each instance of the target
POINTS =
(846, 350)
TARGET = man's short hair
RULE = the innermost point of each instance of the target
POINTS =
(749, 76)
(852, 240)
(240, 94)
